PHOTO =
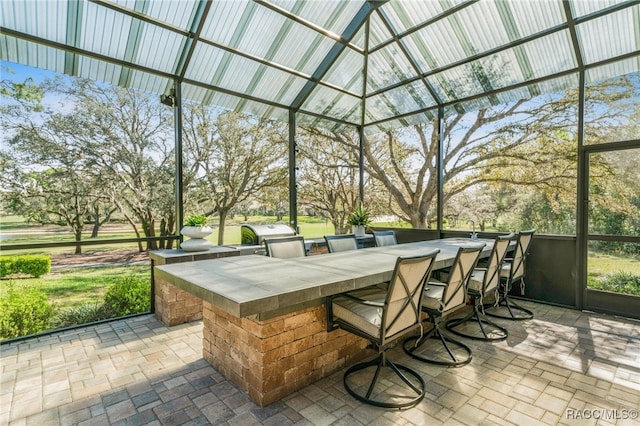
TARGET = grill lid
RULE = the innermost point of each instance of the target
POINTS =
(255, 234)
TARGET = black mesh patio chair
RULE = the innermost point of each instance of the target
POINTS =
(483, 282)
(384, 238)
(383, 317)
(286, 247)
(337, 243)
(512, 272)
(440, 300)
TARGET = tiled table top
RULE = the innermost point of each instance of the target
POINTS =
(249, 285)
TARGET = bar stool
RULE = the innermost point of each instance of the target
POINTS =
(286, 247)
(384, 238)
(338, 243)
(383, 317)
(441, 299)
(484, 281)
(513, 271)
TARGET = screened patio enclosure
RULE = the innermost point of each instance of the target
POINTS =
(363, 63)
(369, 66)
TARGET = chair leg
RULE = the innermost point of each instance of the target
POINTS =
(417, 385)
(505, 301)
(412, 344)
(329, 310)
(498, 333)
(524, 314)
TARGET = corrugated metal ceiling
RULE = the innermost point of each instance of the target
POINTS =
(269, 56)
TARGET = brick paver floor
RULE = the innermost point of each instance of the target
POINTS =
(562, 367)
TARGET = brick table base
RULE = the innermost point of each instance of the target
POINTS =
(174, 306)
(271, 359)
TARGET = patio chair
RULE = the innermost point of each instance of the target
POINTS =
(384, 238)
(384, 317)
(337, 243)
(483, 282)
(286, 247)
(513, 271)
(440, 300)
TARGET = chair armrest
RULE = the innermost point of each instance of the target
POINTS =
(361, 301)
(434, 284)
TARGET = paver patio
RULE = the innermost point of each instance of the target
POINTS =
(562, 367)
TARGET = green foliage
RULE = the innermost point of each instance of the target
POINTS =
(7, 265)
(128, 295)
(89, 312)
(34, 265)
(360, 216)
(196, 220)
(23, 310)
(28, 93)
(619, 282)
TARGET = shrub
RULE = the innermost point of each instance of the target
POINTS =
(34, 265)
(30, 264)
(89, 312)
(23, 310)
(7, 266)
(128, 295)
(619, 282)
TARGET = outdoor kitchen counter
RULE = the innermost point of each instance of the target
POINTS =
(264, 320)
(172, 305)
(261, 285)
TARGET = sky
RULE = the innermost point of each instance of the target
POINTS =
(20, 73)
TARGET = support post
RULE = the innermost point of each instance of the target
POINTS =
(440, 167)
(293, 190)
(177, 113)
(361, 164)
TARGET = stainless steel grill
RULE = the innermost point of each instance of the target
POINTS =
(255, 234)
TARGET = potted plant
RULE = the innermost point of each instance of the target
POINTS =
(358, 219)
(195, 227)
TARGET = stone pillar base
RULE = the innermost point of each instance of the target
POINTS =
(273, 358)
(174, 306)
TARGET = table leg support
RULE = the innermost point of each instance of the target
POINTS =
(174, 306)
(273, 358)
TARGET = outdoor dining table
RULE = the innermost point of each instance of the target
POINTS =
(264, 320)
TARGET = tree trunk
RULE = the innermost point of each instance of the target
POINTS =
(99, 222)
(170, 225)
(151, 232)
(96, 222)
(77, 226)
(148, 227)
(339, 228)
(163, 232)
(78, 237)
(135, 229)
(223, 218)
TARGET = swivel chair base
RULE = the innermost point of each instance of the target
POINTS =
(496, 333)
(412, 344)
(416, 385)
(523, 313)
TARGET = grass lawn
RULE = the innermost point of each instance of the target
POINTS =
(604, 264)
(613, 272)
(16, 231)
(600, 265)
(73, 287)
